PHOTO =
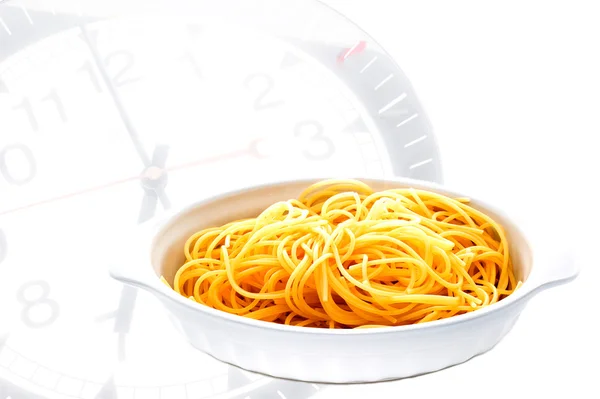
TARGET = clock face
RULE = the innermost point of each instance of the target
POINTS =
(108, 122)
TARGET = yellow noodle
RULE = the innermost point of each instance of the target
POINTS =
(344, 256)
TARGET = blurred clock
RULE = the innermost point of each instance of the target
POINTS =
(111, 113)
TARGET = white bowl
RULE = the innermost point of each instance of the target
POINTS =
(324, 355)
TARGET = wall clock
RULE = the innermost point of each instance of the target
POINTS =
(112, 112)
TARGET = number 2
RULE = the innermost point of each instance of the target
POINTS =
(266, 87)
(119, 78)
(129, 60)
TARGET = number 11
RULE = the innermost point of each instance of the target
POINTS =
(53, 96)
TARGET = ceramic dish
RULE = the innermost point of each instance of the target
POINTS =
(324, 355)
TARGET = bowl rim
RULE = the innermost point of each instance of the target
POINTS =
(528, 287)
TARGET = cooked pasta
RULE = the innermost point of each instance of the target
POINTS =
(342, 255)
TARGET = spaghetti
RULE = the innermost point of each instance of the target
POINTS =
(342, 255)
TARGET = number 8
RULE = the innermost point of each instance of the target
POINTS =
(41, 300)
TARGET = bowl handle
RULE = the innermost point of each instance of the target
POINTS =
(127, 274)
(130, 263)
(560, 268)
(556, 257)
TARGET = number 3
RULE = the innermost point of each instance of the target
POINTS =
(317, 138)
(265, 87)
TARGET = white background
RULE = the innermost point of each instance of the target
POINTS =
(512, 89)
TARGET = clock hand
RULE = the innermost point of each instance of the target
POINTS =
(133, 135)
(149, 201)
(159, 160)
(154, 180)
(250, 150)
(153, 185)
(149, 171)
(159, 157)
(124, 313)
(73, 194)
(123, 317)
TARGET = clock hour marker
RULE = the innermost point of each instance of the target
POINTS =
(392, 103)
(416, 165)
(27, 15)
(39, 302)
(263, 85)
(357, 48)
(54, 98)
(108, 390)
(410, 118)
(5, 27)
(391, 75)
(26, 157)
(368, 64)
(415, 141)
(289, 60)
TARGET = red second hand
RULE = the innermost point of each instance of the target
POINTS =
(204, 161)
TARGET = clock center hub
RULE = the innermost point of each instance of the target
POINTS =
(154, 178)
